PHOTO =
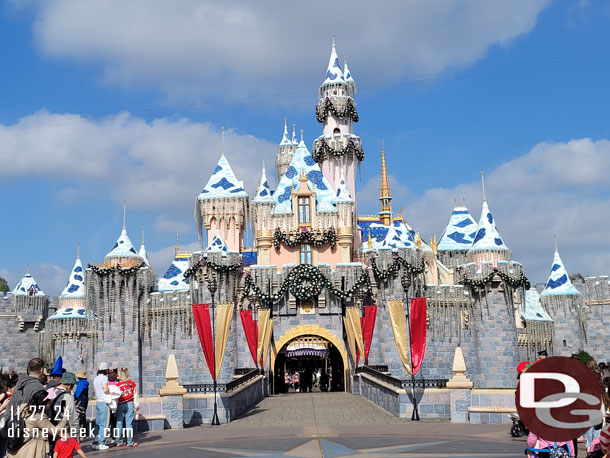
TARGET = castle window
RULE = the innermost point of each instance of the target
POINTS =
(305, 254)
(336, 131)
(565, 344)
(304, 211)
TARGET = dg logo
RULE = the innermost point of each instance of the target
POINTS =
(559, 399)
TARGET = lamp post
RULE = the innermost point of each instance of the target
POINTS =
(212, 286)
(405, 281)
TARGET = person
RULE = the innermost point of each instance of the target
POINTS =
(604, 437)
(287, 381)
(27, 385)
(295, 381)
(81, 397)
(324, 381)
(111, 400)
(534, 441)
(38, 429)
(65, 401)
(128, 405)
(100, 387)
(55, 376)
(66, 446)
(5, 398)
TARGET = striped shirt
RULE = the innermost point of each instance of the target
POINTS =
(604, 438)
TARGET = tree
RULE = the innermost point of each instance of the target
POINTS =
(577, 277)
(3, 285)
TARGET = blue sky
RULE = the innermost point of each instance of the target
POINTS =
(106, 102)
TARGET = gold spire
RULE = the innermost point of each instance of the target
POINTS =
(370, 242)
(384, 193)
(434, 244)
(418, 240)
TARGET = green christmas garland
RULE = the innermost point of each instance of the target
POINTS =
(304, 282)
(103, 271)
(220, 268)
(482, 281)
(323, 150)
(328, 107)
(305, 237)
(392, 271)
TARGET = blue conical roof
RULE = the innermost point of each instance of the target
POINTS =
(487, 236)
(342, 191)
(174, 280)
(123, 247)
(460, 231)
(559, 281)
(222, 183)
(347, 75)
(334, 74)
(397, 235)
(263, 193)
(75, 288)
(533, 310)
(302, 162)
(27, 284)
(217, 245)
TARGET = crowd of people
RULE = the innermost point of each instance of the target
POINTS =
(304, 381)
(43, 414)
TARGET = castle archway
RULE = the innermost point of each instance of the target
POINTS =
(309, 347)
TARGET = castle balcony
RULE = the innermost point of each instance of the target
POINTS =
(337, 146)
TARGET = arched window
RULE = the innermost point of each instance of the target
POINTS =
(305, 254)
(304, 211)
(337, 131)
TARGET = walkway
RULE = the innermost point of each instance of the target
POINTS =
(314, 409)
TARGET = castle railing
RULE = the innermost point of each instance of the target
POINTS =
(222, 387)
(398, 383)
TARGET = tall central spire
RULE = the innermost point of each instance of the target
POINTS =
(384, 193)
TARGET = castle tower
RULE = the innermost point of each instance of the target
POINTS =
(261, 209)
(123, 253)
(457, 237)
(223, 205)
(73, 295)
(347, 220)
(142, 253)
(385, 197)
(488, 246)
(563, 302)
(285, 151)
(338, 148)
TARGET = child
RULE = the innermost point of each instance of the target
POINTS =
(66, 446)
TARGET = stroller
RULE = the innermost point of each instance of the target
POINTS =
(553, 452)
(517, 429)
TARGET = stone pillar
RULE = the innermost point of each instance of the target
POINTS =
(460, 388)
(264, 242)
(171, 396)
(345, 239)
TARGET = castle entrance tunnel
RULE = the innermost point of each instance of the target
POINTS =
(308, 363)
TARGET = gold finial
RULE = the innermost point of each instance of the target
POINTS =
(177, 242)
(384, 193)
(434, 244)
(418, 240)
(370, 242)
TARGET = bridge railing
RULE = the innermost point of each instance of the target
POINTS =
(398, 383)
(222, 387)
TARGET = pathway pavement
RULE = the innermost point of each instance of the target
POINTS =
(326, 425)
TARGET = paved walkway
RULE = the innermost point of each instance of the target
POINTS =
(314, 409)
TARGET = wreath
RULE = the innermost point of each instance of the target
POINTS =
(321, 149)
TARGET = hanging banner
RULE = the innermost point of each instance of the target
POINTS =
(201, 312)
(418, 332)
(224, 316)
(396, 311)
(251, 332)
(368, 327)
(267, 342)
(351, 340)
(353, 314)
(263, 323)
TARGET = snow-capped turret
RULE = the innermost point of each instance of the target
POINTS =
(347, 76)
(142, 251)
(334, 74)
(559, 281)
(460, 231)
(285, 151)
(216, 245)
(27, 286)
(73, 295)
(263, 193)
(223, 204)
(342, 191)
(174, 280)
(123, 252)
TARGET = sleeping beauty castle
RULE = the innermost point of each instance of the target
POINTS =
(323, 287)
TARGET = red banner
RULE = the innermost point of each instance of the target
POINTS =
(251, 332)
(418, 332)
(368, 327)
(201, 312)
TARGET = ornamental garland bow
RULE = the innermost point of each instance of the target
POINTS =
(103, 271)
(479, 282)
(304, 282)
(322, 150)
(220, 268)
(328, 106)
(395, 267)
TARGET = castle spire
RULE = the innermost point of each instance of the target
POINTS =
(483, 184)
(77, 250)
(285, 139)
(384, 194)
(294, 134)
(124, 213)
(222, 141)
(334, 74)
(177, 242)
(142, 251)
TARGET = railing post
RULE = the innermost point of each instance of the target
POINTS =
(460, 388)
(172, 396)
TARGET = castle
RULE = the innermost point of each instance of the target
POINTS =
(314, 259)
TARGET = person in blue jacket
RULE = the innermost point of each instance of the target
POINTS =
(81, 397)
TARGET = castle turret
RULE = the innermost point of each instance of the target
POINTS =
(338, 149)
(30, 302)
(223, 205)
(173, 280)
(347, 220)
(457, 237)
(261, 217)
(564, 304)
(142, 253)
(73, 294)
(285, 151)
(123, 253)
(488, 246)
(385, 197)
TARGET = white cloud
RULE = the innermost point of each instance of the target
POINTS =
(195, 47)
(556, 188)
(161, 259)
(161, 165)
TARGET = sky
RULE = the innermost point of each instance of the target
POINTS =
(105, 101)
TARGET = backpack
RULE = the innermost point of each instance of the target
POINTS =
(13, 430)
(558, 452)
(57, 408)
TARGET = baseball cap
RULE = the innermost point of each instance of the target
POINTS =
(103, 366)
